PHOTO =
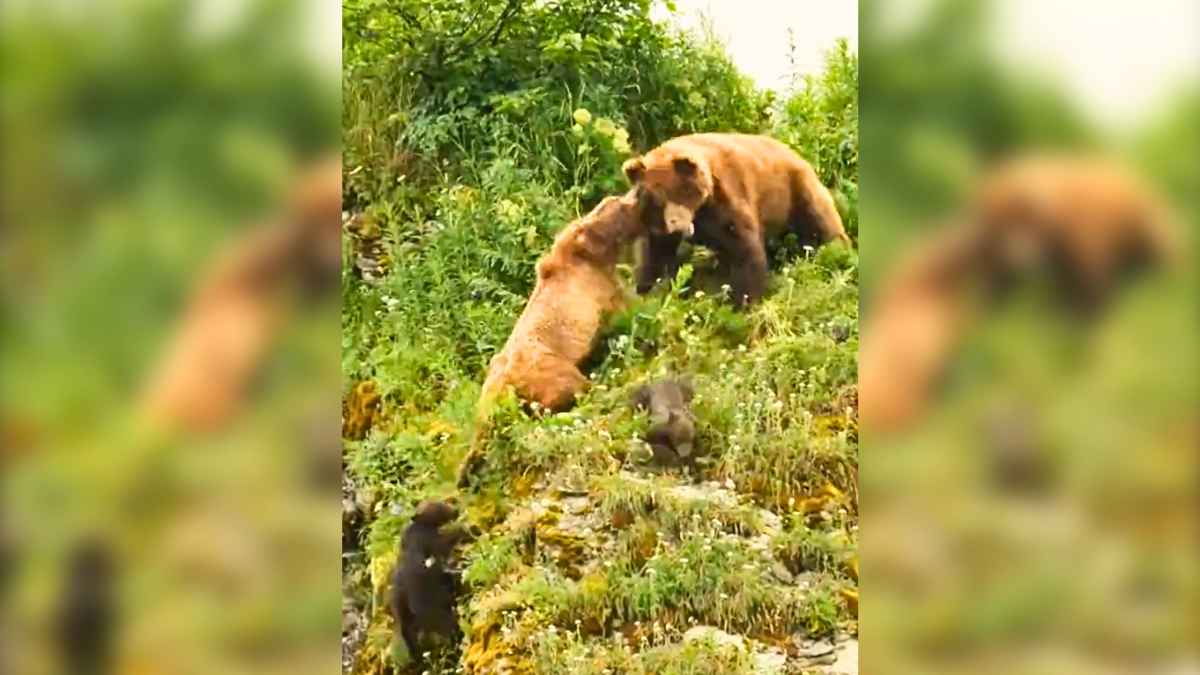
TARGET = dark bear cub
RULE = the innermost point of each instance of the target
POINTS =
(424, 590)
(672, 430)
(87, 609)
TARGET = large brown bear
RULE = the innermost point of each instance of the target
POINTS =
(576, 287)
(1086, 221)
(913, 328)
(729, 192)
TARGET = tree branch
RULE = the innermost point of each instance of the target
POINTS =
(506, 15)
(509, 11)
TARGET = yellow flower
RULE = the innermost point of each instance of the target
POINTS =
(577, 130)
(621, 141)
(462, 195)
(605, 126)
(509, 210)
(582, 116)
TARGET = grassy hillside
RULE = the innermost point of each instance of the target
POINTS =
(473, 133)
(1104, 412)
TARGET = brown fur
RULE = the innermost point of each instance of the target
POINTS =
(576, 287)
(1083, 221)
(240, 304)
(740, 190)
(912, 330)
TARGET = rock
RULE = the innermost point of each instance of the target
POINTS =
(576, 505)
(805, 580)
(772, 524)
(847, 659)
(716, 635)
(709, 491)
(814, 648)
(353, 633)
(770, 663)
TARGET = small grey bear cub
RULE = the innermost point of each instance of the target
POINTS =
(672, 429)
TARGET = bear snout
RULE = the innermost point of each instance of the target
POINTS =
(679, 219)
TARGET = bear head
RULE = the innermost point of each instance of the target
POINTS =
(597, 237)
(671, 187)
(433, 514)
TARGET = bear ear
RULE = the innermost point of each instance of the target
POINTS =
(685, 166)
(634, 169)
(641, 397)
(546, 267)
(434, 513)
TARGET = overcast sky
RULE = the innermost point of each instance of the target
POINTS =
(1120, 58)
(756, 32)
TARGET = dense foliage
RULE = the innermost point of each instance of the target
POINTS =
(473, 132)
(138, 144)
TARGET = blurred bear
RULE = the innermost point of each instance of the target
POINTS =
(912, 328)
(241, 303)
(86, 614)
(1085, 223)
(1088, 223)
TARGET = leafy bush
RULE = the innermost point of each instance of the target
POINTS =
(820, 120)
(477, 81)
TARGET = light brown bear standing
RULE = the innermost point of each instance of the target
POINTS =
(729, 192)
(576, 287)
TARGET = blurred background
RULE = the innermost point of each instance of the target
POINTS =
(165, 198)
(169, 419)
(1028, 408)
